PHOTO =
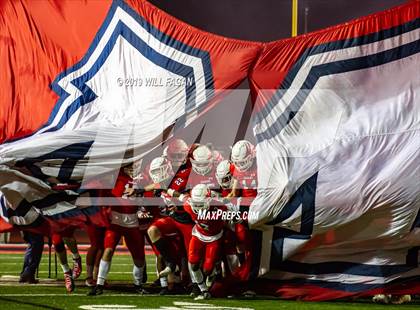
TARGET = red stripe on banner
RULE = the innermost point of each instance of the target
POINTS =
(39, 40)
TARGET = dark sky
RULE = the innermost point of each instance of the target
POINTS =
(267, 20)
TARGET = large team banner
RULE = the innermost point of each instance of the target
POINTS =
(94, 86)
(337, 131)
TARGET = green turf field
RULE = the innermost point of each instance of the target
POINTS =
(51, 294)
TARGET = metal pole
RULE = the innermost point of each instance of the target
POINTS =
(295, 6)
(55, 261)
(49, 256)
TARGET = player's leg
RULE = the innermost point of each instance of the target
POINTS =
(96, 237)
(160, 265)
(244, 239)
(196, 252)
(112, 237)
(229, 251)
(71, 244)
(157, 231)
(211, 257)
(33, 256)
(134, 240)
(60, 250)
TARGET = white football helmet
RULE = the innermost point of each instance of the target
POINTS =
(133, 170)
(224, 173)
(160, 170)
(200, 198)
(243, 153)
(202, 161)
(177, 152)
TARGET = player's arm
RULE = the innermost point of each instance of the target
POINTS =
(234, 189)
(177, 187)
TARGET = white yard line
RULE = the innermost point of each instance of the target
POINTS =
(111, 272)
(78, 295)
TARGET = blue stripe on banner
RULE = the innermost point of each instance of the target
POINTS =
(53, 199)
(70, 154)
(23, 207)
(328, 47)
(39, 222)
(3, 208)
(341, 268)
(71, 151)
(158, 59)
(345, 287)
(88, 95)
(303, 198)
(335, 68)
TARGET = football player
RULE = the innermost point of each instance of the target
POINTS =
(204, 162)
(123, 223)
(177, 220)
(228, 193)
(243, 157)
(206, 241)
(177, 153)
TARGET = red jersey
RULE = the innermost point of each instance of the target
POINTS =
(209, 228)
(123, 181)
(247, 181)
(184, 170)
(209, 179)
(122, 213)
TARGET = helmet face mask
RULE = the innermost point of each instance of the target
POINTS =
(202, 161)
(224, 174)
(200, 206)
(244, 164)
(243, 155)
(177, 152)
(160, 170)
(178, 159)
(200, 198)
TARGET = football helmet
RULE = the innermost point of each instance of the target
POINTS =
(224, 173)
(133, 170)
(243, 154)
(202, 160)
(200, 198)
(177, 152)
(160, 170)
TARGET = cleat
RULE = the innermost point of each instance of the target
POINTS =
(400, 299)
(203, 296)
(28, 279)
(381, 299)
(249, 294)
(90, 282)
(164, 291)
(165, 272)
(77, 267)
(68, 282)
(211, 278)
(195, 291)
(140, 290)
(96, 290)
